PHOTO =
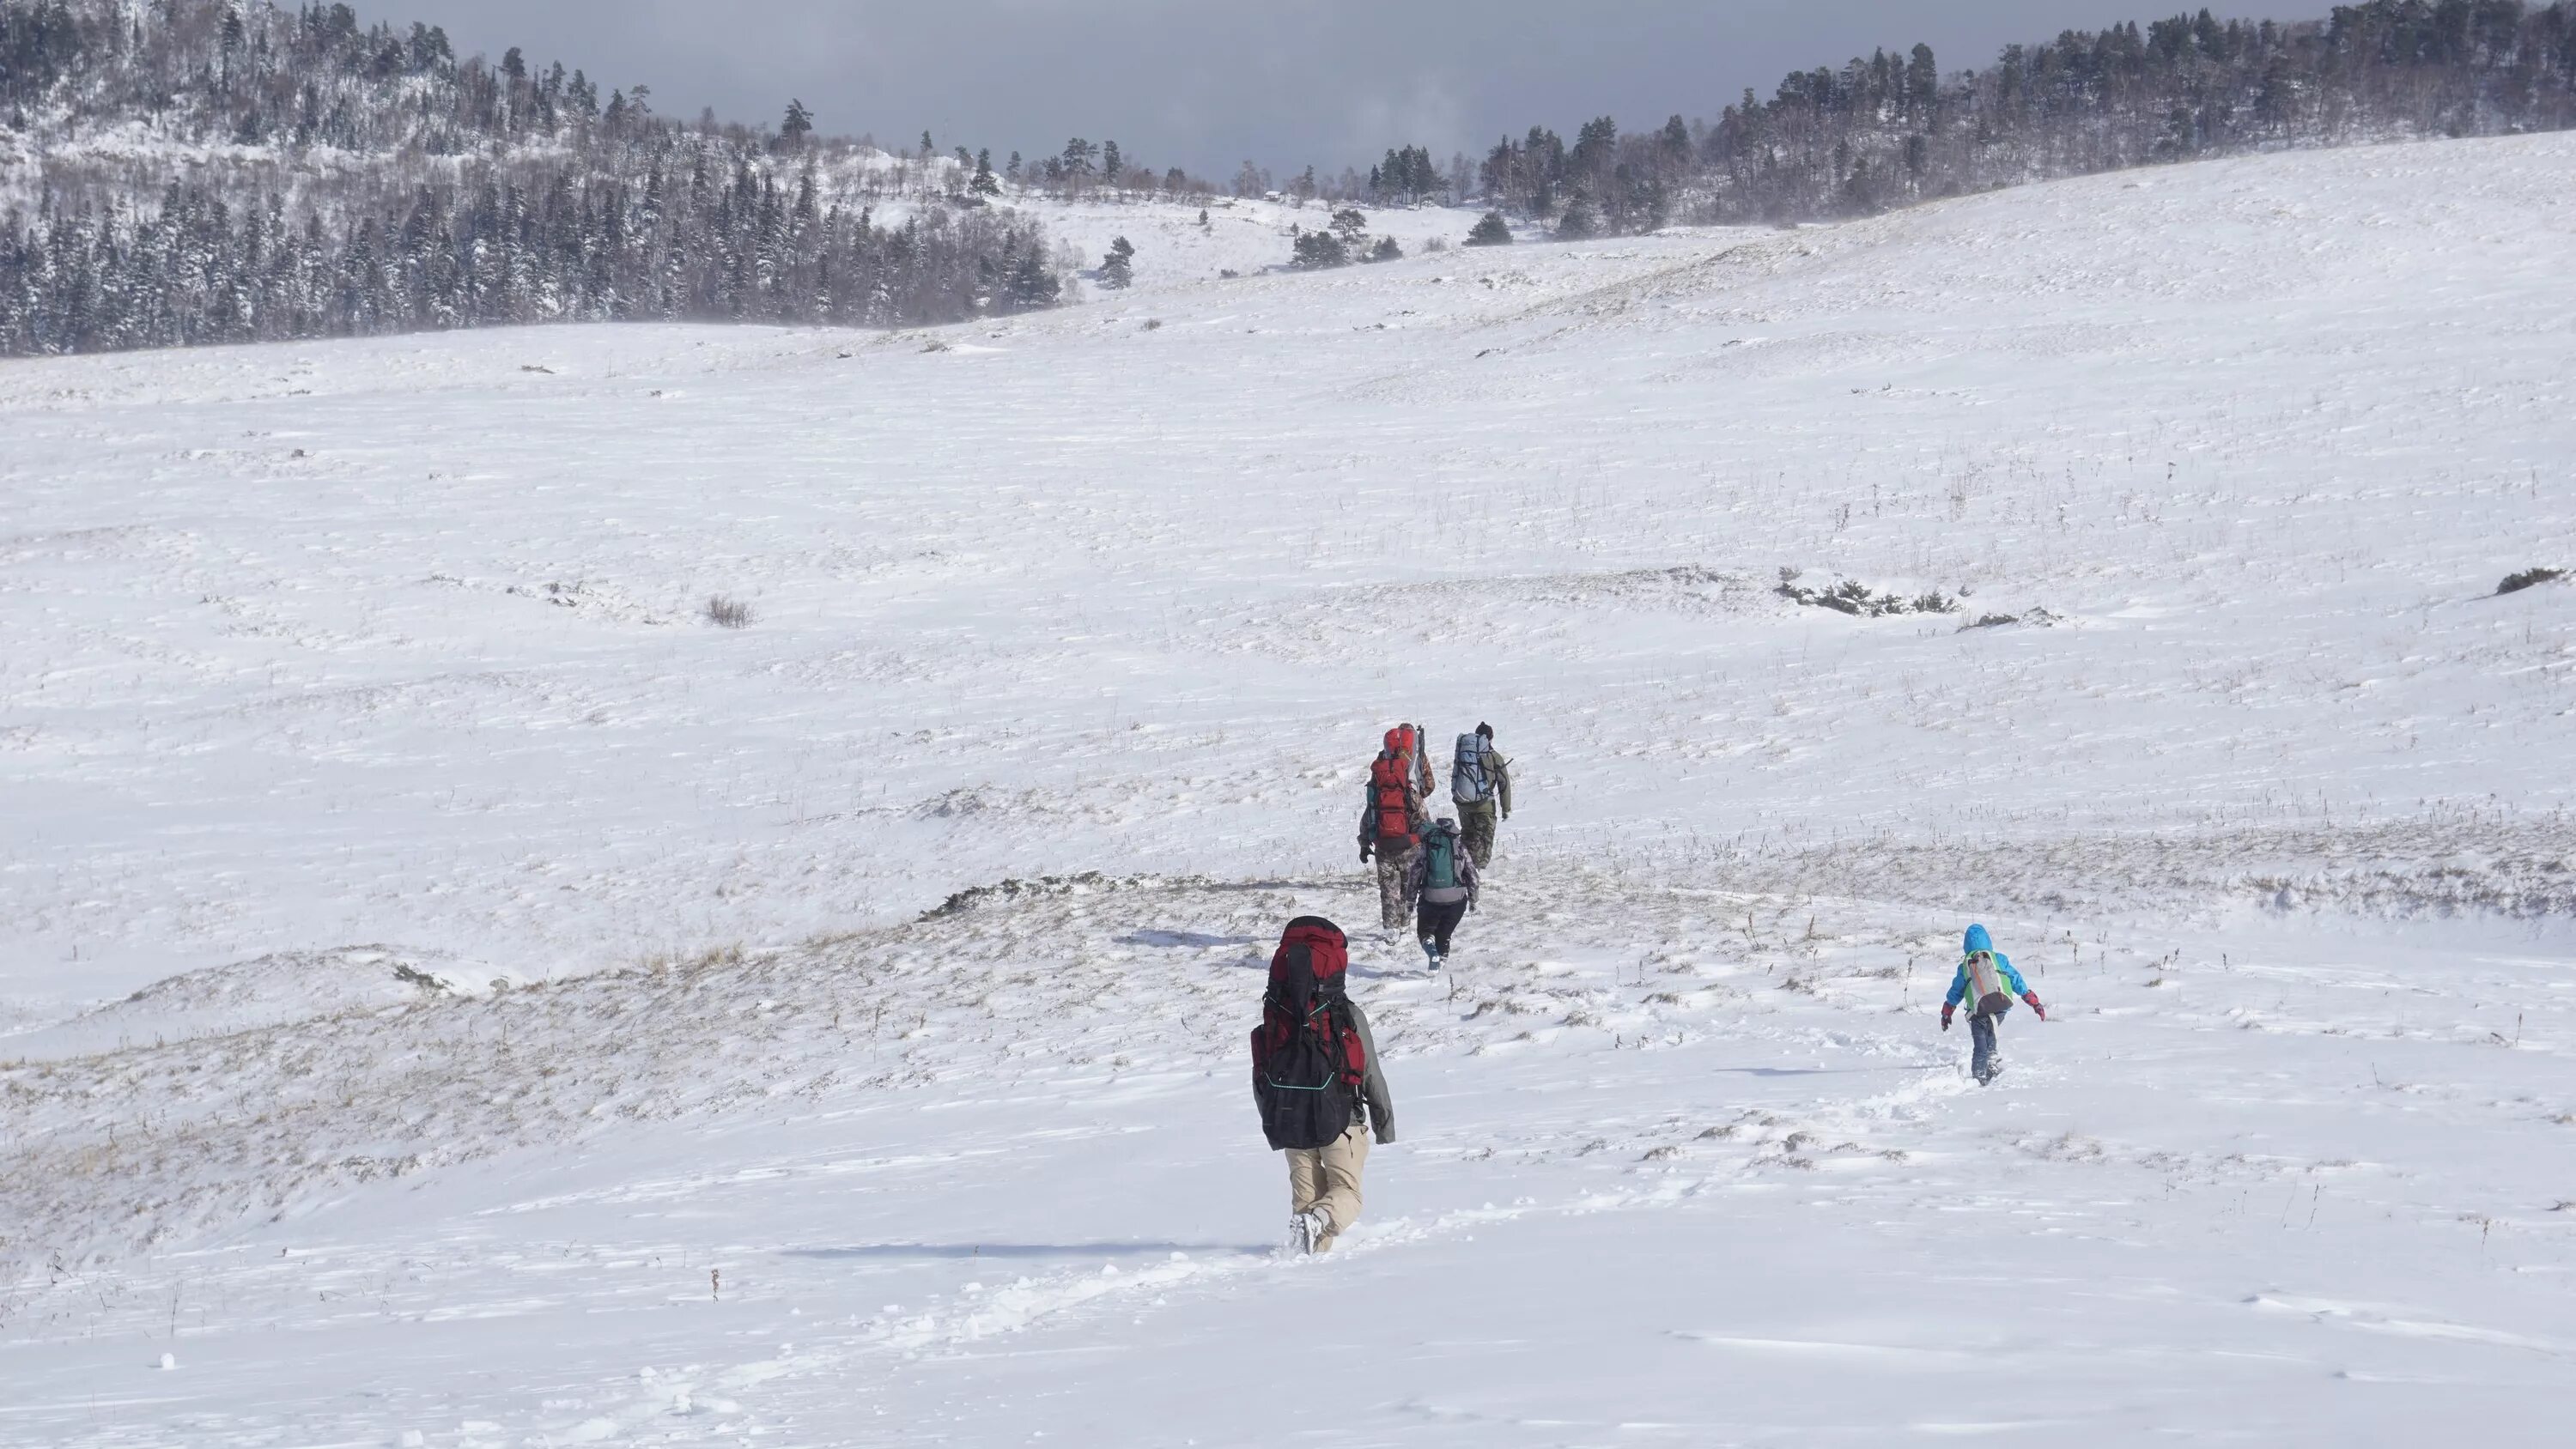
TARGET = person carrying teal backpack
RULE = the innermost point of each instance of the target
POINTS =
(1442, 883)
(1987, 981)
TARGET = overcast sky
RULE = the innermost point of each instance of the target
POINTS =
(1207, 84)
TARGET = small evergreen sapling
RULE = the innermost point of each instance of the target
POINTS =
(1490, 231)
(1850, 596)
(1116, 272)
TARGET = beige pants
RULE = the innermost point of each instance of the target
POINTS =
(1328, 1177)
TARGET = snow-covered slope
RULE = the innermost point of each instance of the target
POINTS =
(511, 949)
(1243, 236)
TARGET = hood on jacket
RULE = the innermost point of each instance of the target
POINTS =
(1396, 742)
(1977, 940)
(1311, 961)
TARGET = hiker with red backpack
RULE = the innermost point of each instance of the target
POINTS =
(1442, 883)
(1983, 978)
(1391, 826)
(1315, 1078)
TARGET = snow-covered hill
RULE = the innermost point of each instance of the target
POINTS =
(1244, 236)
(535, 1034)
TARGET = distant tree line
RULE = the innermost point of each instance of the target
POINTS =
(1344, 241)
(545, 247)
(1892, 129)
(1095, 170)
(348, 180)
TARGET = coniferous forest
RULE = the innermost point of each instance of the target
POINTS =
(189, 171)
(1893, 129)
(344, 180)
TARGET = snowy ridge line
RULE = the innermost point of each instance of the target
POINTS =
(149, 1148)
(1013, 890)
(1026, 985)
(1692, 278)
(1756, 979)
(1295, 628)
(2468, 863)
(274, 989)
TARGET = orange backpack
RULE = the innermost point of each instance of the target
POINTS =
(1390, 776)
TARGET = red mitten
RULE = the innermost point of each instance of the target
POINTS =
(2031, 1000)
(1946, 1009)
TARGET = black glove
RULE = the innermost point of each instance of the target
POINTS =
(1365, 852)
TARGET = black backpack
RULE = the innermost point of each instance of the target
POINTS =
(1307, 1061)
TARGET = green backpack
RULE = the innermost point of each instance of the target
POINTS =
(1440, 860)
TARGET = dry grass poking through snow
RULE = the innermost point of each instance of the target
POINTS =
(1083, 982)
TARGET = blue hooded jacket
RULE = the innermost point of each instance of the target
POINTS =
(1977, 940)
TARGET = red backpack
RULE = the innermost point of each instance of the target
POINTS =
(1389, 777)
(1307, 1060)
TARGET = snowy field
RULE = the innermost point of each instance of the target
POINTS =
(453, 989)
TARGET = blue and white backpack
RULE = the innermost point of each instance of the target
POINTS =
(1469, 780)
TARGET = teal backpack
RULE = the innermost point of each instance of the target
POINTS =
(1440, 859)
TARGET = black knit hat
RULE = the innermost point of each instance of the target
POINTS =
(1486, 730)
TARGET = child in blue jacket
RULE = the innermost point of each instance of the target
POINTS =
(1985, 975)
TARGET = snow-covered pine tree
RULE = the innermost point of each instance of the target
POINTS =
(1317, 251)
(1117, 269)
